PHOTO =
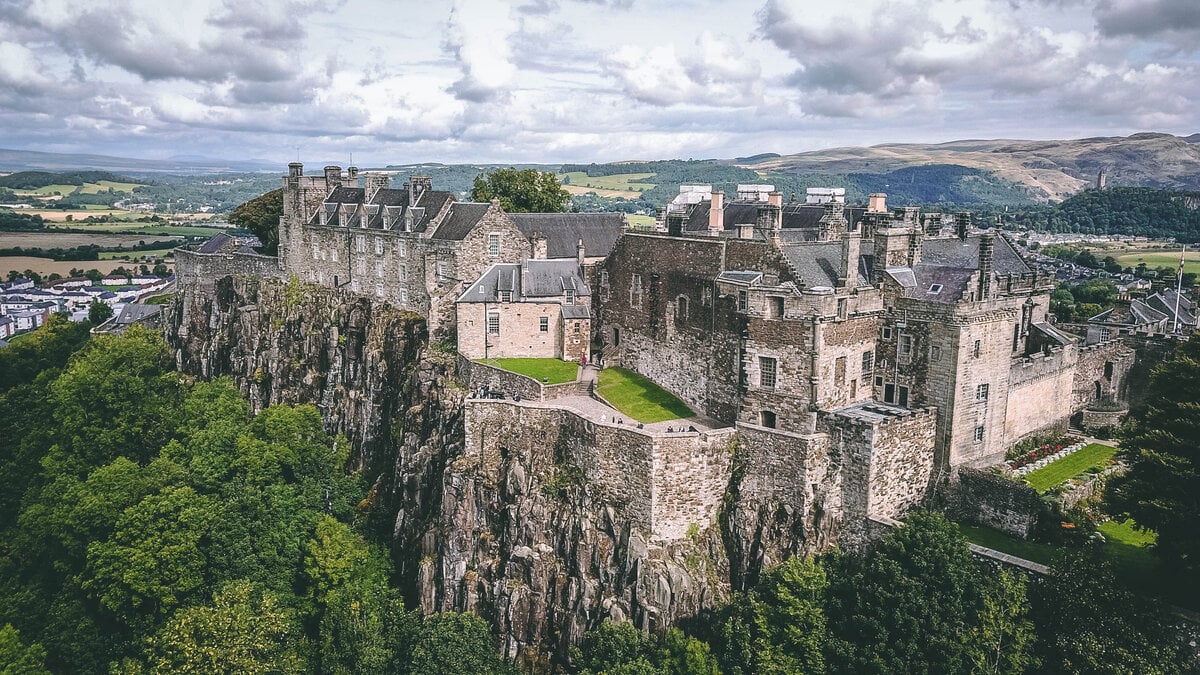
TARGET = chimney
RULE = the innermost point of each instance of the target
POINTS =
(375, 183)
(295, 170)
(675, 223)
(985, 265)
(851, 249)
(419, 185)
(537, 246)
(352, 174)
(962, 224)
(833, 221)
(579, 253)
(877, 202)
(716, 214)
(333, 177)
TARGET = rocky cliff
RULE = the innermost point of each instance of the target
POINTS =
(522, 542)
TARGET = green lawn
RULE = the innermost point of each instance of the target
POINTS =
(553, 370)
(995, 539)
(640, 398)
(1155, 259)
(164, 299)
(104, 185)
(621, 181)
(638, 220)
(1094, 455)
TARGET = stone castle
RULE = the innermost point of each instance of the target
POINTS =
(847, 361)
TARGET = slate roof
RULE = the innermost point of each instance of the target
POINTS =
(740, 277)
(215, 244)
(346, 195)
(1133, 313)
(964, 253)
(536, 279)
(463, 216)
(132, 313)
(1051, 333)
(954, 282)
(795, 215)
(820, 263)
(1164, 301)
(599, 231)
(576, 312)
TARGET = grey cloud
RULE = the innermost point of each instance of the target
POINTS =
(1147, 18)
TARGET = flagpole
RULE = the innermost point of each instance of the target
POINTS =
(1179, 288)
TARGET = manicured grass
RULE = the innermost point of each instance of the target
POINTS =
(995, 539)
(620, 181)
(1155, 259)
(1094, 455)
(163, 299)
(638, 220)
(639, 397)
(104, 185)
(553, 370)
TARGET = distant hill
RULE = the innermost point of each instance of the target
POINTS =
(1047, 171)
(1147, 212)
(32, 180)
(27, 160)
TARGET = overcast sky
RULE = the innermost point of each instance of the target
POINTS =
(583, 80)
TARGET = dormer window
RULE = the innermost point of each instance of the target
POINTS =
(505, 296)
(570, 296)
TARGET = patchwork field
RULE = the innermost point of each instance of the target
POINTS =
(1160, 258)
(626, 185)
(46, 266)
(47, 240)
(86, 189)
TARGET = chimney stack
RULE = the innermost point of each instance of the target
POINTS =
(986, 245)
(537, 245)
(295, 170)
(579, 253)
(877, 202)
(333, 177)
(851, 250)
(375, 183)
(352, 174)
(962, 224)
(716, 214)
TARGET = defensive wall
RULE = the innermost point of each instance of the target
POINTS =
(192, 267)
(665, 483)
(475, 375)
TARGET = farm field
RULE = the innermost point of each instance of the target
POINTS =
(47, 240)
(60, 216)
(46, 266)
(627, 185)
(86, 188)
(134, 255)
(144, 228)
(639, 220)
(1160, 258)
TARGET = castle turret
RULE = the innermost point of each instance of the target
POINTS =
(877, 202)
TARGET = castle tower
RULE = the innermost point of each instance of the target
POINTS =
(1101, 179)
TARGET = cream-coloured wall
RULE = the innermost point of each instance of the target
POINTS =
(520, 335)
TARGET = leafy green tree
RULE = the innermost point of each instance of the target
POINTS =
(453, 643)
(17, 658)
(47, 348)
(1161, 490)
(243, 630)
(364, 628)
(99, 312)
(621, 649)
(522, 190)
(915, 594)
(261, 216)
(1090, 623)
(1002, 641)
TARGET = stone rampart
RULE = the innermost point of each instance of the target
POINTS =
(1101, 372)
(476, 375)
(986, 498)
(192, 267)
(667, 484)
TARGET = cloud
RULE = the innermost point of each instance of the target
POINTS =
(477, 36)
(713, 72)
(1148, 18)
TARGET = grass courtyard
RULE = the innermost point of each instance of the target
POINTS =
(639, 398)
(1091, 456)
(553, 371)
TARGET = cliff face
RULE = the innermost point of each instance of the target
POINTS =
(521, 541)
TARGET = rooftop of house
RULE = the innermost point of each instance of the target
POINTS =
(1132, 313)
(563, 231)
(532, 281)
(795, 216)
(1167, 300)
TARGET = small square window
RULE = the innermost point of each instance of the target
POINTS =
(981, 392)
(935, 353)
(934, 289)
(887, 333)
(878, 381)
(544, 324)
(979, 434)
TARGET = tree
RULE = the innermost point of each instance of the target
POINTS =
(243, 630)
(99, 312)
(1090, 623)
(261, 216)
(1003, 639)
(522, 190)
(620, 649)
(1161, 490)
(17, 658)
(453, 643)
(93, 276)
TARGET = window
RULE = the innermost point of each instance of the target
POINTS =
(316, 251)
(333, 252)
(766, 371)
(841, 308)
(681, 309)
(979, 434)
(576, 327)
(981, 392)
(743, 301)
(635, 291)
(706, 296)
(354, 285)
(544, 324)
(505, 296)
(570, 296)
(1104, 332)
(379, 269)
(887, 332)
(935, 289)
(402, 248)
(839, 372)
(903, 400)
(775, 306)
(878, 381)
(976, 349)
(905, 347)
(442, 271)
(493, 323)
(493, 244)
(1016, 336)
(889, 392)
(361, 265)
(868, 364)
(766, 418)
(604, 278)
(935, 353)
(378, 246)
(1108, 370)
(379, 289)
(404, 273)
(404, 297)
(360, 243)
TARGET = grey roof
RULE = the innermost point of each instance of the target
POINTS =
(463, 216)
(872, 411)
(133, 313)
(531, 281)
(1132, 313)
(576, 312)
(954, 283)
(1051, 333)
(1164, 301)
(964, 253)
(903, 276)
(346, 195)
(794, 215)
(599, 231)
(215, 244)
(819, 263)
(739, 277)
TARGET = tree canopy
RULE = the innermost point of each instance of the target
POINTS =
(261, 216)
(522, 190)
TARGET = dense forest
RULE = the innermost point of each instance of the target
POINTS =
(1138, 211)
(152, 523)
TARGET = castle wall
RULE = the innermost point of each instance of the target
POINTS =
(192, 267)
(901, 464)
(1104, 366)
(520, 330)
(691, 475)
(985, 498)
(1039, 394)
